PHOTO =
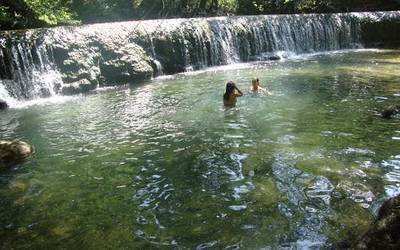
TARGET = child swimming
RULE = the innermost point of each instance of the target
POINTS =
(256, 87)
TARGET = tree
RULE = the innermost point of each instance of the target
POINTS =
(39, 13)
(17, 14)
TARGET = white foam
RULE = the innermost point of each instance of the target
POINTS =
(42, 101)
(4, 95)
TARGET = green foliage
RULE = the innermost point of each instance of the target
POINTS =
(311, 6)
(38, 13)
(229, 6)
(4, 13)
(51, 12)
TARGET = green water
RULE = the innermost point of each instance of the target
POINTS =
(164, 165)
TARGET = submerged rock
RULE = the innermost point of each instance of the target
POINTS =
(391, 111)
(385, 232)
(3, 105)
(13, 152)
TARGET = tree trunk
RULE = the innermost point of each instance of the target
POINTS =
(214, 6)
(202, 5)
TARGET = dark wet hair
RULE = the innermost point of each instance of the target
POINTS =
(230, 88)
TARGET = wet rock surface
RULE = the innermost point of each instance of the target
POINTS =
(309, 198)
(381, 31)
(385, 232)
(3, 105)
(124, 64)
(13, 152)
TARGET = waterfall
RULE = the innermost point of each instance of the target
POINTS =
(26, 71)
(47, 62)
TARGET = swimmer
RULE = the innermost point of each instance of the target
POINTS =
(231, 93)
(256, 87)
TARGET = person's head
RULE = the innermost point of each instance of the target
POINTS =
(230, 88)
(255, 83)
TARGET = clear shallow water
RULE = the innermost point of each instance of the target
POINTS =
(164, 165)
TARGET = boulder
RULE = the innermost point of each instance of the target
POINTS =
(169, 53)
(125, 64)
(13, 152)
(3, 104)
(391, 111)
(81, 64)
(274, 58)
(385, 232)
(101, 62)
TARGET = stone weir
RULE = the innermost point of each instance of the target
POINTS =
(68, 60)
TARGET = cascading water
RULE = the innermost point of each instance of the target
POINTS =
(27, 71)
(76, 59)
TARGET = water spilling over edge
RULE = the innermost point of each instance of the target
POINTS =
(70, 60)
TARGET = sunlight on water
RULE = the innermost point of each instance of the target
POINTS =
(165, 165)
(43, 101)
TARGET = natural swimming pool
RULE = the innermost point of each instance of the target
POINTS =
(164, 165)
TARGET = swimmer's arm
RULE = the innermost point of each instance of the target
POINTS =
(239, 93)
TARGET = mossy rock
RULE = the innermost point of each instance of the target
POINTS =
(385, 232)
(13, 152)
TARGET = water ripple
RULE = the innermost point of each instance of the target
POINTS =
(308, 195)
(392, 177)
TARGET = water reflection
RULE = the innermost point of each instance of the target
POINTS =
(309, 198)
(392, 177)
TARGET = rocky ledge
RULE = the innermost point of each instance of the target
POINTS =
(13, 152)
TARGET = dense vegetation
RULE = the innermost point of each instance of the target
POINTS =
(38, 13)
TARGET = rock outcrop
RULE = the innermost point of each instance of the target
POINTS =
(125, 64)
(13, 152)
(385, 232)
(381, 31)
(3, 105)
